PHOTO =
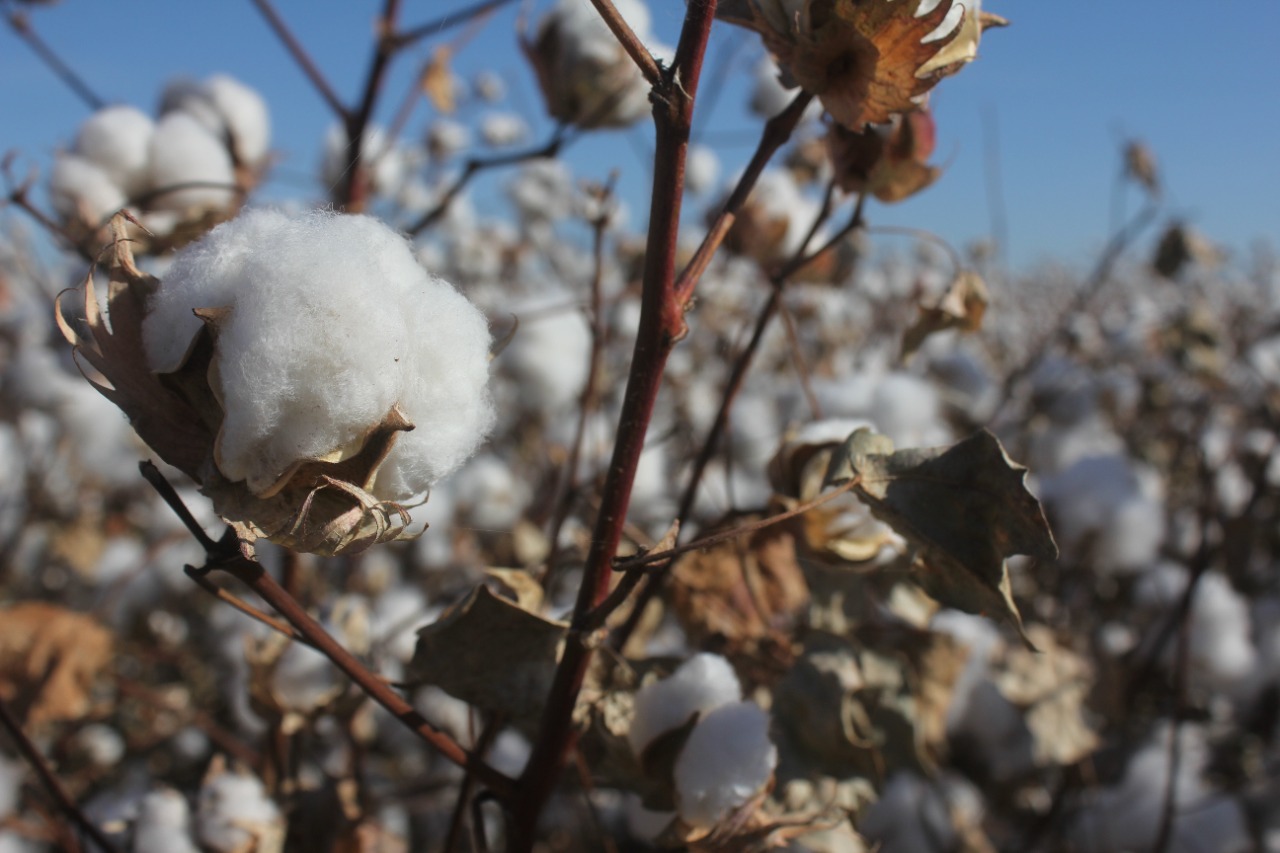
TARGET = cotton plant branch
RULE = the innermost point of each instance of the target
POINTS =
(447, 21)
(21, 27)
(661, 326)
(631, 43)
(302, 58)
(49, 779)
(227, 554)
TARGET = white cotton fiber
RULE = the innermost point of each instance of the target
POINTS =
(234, 808)
(727, 759)
(703, 682)
(80, 190)
(501, 129)
(245, 113)
(550, 354)
(387, 162)
(332, 323)
(163, 824)
(702, 169)
(184, 151)
(118, 140)
(1100, 513)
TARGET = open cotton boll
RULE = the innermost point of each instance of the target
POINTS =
(702, 683)
(502, 129)
(163, 824)
(702, 169)
(550, 356)
(386, 160)
(248, 123)
(184, 151)
(80, 190)
(726, 761)
(118, 141)
(1098, 503)
(332, 322)
(233, 810)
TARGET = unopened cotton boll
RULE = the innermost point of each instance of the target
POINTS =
(81, 191)
(702, 683)
(118, 141)
(190, 169)
(726, 761)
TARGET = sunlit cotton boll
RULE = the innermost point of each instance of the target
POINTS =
(232, 810)
(550, 355)
(228, 109)
(190, 169)
(702, 683)
(163, 824)
(117, 140)
(80, 190)
(502, 129)
(332, 322)
(727, 759)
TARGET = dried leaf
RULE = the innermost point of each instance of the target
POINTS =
(1051, 687)
(965, 508)
(438, 82)
(525, 590)
(963, 49)
(491, 653)
(961, 307)
(49, 658)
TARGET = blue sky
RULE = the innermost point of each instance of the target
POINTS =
(1065, 84)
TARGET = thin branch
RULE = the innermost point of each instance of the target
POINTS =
(482, 744)
(630, 42)
(200, 577)
(22, 28)
(304, 60)
(446, 21)
(355, 183)
(50, 780)
(170, 496)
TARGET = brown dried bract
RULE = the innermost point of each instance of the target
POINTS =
(49, 658)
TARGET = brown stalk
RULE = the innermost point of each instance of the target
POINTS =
(661, 326)
(353, 194)
(631, 43)
(300, 56)
(446, 21)
(22, 28)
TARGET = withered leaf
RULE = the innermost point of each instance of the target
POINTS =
(1052, 687)
(961, 307)
(965, 508)
(491, 653)
(49, 658)
(438, 83)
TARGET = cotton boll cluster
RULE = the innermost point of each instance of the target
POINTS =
(312, 374)
(728, 757)
(208, 147)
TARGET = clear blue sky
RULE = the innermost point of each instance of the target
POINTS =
(1065, 84)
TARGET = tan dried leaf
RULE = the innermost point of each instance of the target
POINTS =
(49, 659)
(438, 82)
(1051, 687)
(963, 49)
(965, 508)
(491, 653)
(962, 307)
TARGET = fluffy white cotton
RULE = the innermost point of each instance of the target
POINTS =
(234, 808)
(447, 137)
(500, 129)
(488, 495)
(184, 151)
(702, 169)
(1100, 513)
(332, 323)
(118, 140)
(769, 97)
(490, 87)
(388, 162)
(702, 683)
(163, 824)
(550, 355)
(12, 772)
(231, 111)
(81, 190)
(727, 759)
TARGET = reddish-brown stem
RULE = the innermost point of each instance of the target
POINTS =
(487, 736)
(354, 191)
(198, 575)
(661, 325)
(777, 131)
(444, 22)
(300, 56)
(50, 780)
(22, 28)
(630, 42)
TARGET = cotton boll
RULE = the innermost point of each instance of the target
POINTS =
(1098, 504)
(702, 169)
(80, 191)
(183, 151)
(726, 761)
(769, 97)
(302, 373)
(234, 809)
(510, 753)
(12, 773)
(388, 162)
(245, 114)
(163, 824)
(118, 141)
(910, 815)
(446, 138)
(550, 356)
(906, 409)
(543, 191)
(490, 87)
(502, 129)
(488, 494)
(702, 683)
